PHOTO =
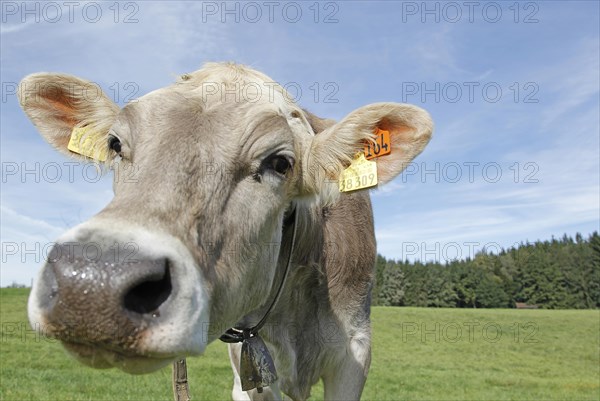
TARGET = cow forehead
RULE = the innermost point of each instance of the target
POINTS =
(225, 82)
(251, 93)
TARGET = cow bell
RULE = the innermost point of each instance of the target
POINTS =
(257, 369)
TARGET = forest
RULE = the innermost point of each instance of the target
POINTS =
(556, 274)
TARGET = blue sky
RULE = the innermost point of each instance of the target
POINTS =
(513, 91)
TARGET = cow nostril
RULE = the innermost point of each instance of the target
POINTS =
(148, 295)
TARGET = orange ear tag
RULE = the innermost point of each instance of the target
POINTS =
(381, 147)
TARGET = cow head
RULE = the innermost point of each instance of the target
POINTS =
(205, 170)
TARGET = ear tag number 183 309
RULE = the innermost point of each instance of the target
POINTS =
(362, 173)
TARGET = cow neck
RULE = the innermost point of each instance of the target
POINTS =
(256, 362)
(235, 334)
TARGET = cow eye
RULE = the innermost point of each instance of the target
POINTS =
(279, 164)
(114, 143)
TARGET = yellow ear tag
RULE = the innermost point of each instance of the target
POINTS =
(360, 174)
(87, 143)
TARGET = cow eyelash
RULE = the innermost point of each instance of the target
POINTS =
(114, 144)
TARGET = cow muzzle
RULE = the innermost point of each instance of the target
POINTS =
(124, 304)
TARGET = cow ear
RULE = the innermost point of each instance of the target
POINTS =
(332, 150)
(58, 103)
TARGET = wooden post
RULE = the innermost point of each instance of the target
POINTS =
(181, 389)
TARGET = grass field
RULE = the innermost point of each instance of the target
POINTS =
(418, 354)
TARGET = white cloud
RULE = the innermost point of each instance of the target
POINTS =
(6, 29)
(25, 242)
(435, 50)
(168, 39)
(26, 226)
(575, 80)
(389, 189)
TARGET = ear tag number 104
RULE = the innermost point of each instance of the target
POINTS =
(382, 145)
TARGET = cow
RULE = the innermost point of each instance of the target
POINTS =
(226, 176)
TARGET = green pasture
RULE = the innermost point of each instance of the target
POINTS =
(418, 354)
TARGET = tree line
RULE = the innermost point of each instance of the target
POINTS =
(557, 274)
